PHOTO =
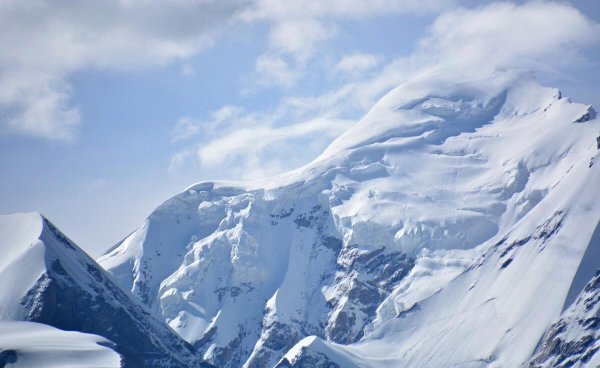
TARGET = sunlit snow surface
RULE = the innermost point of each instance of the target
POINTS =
(33, 345)
(46, 278)
(443, 229)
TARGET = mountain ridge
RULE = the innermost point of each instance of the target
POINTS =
(60, 286)
(394, 213)
(454, 203)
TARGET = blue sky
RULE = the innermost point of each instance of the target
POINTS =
(107, 112)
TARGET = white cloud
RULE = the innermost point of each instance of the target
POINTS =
(187, 126)
(255, 144)
(299, 28)
(503, 35)
(349, 9)
(254, 139)
(37, 104)
(298, 37)
(540, 36)
(43, 42)
(274, 70)
(357, 63)
(179, 159)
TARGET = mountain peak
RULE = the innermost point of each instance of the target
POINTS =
(445, 184)
(46, 278)
(449, 104)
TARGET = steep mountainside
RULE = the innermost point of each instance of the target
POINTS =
(574, 340)
(445, 228)
(45, 278)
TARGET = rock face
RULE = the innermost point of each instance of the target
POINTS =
(449, 206)
(574, 340)
(53, 282)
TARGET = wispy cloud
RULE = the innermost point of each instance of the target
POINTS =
(187, 127)
(254, 139)
(539, 36)
(507, 35)
(253, 144)
(298, 28)
(357, 63)
(276, 70)
(44, 42)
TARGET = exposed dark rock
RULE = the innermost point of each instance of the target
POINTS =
(590, 114)
(356, 305)
(230, 355)
(57, 300)
(333, 243)
(543, 233)
(283, 213)
(506, 263)
(575, 338)
(311, 218)
(277, 338)
(96, 305)
(7, 356)
(550, 227)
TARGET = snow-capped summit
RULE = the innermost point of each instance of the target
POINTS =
(46, 278)
(445, 228)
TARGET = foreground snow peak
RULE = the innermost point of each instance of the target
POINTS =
(28, 344)
(45, 278)
(452, 225)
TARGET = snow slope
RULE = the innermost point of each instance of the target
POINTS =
(34, 345)
(46, 278)
(453, 204)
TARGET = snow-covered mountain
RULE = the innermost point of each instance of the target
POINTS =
(29, 344)
(575, 339)
(45, 278)
(451, 226)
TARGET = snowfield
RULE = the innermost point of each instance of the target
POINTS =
(34, 345)
(448, 227)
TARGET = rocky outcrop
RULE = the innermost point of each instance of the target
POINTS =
(73, 293)
(574, 340)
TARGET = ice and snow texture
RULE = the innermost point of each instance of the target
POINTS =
(29, 345)
(574, 340)
(443, 229)
(46, 278)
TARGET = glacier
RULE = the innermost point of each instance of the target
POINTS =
(451, 226)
